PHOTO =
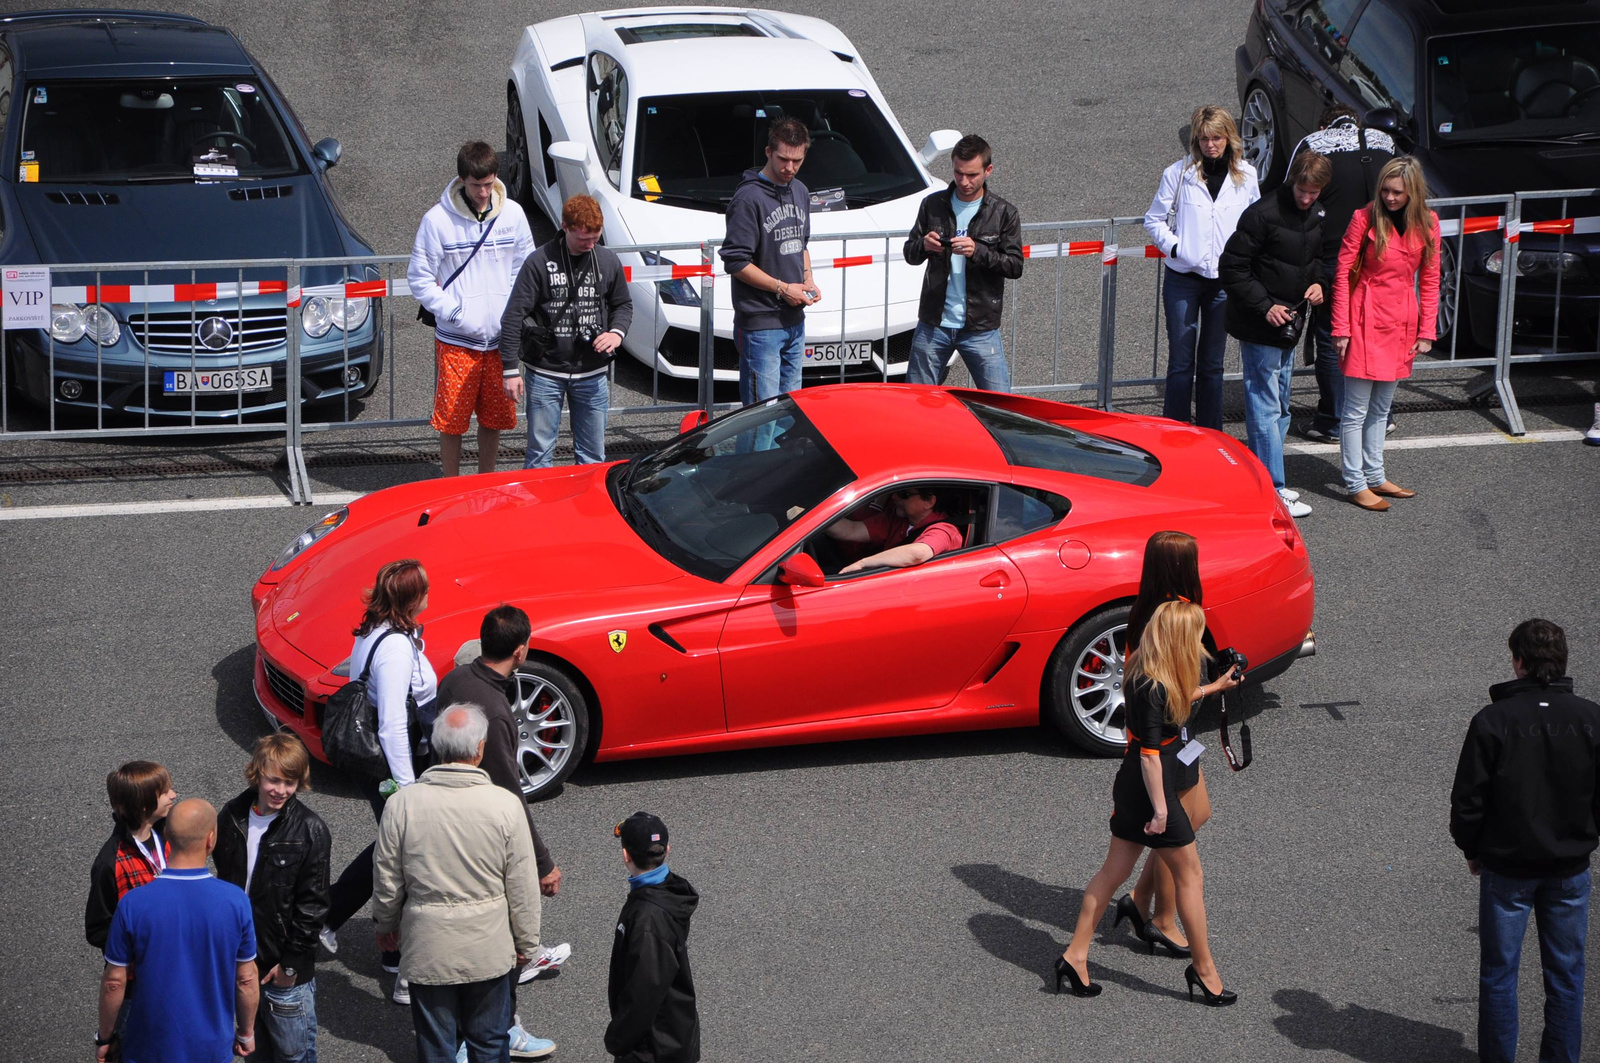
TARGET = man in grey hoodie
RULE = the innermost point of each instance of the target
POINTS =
(769, 225)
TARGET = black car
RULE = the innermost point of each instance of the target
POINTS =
(1492, 97)
(142, 137)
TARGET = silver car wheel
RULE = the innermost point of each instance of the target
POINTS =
(546, 731)
(1097, 686)
(1448, 264)
(1257, 127)
(517, 163)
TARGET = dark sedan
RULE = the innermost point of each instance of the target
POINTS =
(1494, 98)
(132, 137)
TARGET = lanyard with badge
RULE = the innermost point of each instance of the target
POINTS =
(153, 856)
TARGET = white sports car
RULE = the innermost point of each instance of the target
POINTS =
(656, 112)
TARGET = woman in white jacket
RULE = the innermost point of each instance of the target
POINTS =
(399, 675)
(1194, 212)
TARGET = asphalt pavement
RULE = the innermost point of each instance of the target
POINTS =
(896, 899)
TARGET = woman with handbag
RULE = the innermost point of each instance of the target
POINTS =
(1163, 683)
(401, 684)
(1196, 208)
(1379, 326)
(1272, 271)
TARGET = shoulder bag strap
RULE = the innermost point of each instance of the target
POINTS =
(470, 255)
(367, 671)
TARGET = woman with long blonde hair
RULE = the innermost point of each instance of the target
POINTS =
(1163, 684)
(1390, 250)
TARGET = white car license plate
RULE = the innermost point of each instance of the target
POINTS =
(188, 381)
(853, 353)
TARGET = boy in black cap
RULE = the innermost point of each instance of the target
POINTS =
(653, 1016)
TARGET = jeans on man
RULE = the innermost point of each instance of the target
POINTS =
(1562, 907)
(287, 1019)
(590, 397)
(477, 1012)
(1268, 375)
(1319, 337)
(769, 361)
(981, 349)
(1194, 306)
(1361, 431)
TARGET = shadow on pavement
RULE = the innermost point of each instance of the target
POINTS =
(1313, 1024)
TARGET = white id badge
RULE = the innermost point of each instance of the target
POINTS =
(1191, 752)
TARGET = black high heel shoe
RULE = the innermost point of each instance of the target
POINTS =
(1156, 937)
(1080, 988)
(1145, 930)
(1211, 1000)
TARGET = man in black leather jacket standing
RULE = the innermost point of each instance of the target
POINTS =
(971, 240)
(277, 850)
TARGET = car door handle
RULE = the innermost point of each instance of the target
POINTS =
(997, 578)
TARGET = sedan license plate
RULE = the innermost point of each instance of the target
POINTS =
(853, 353)
(188, 381)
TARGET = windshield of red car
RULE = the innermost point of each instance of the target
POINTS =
(708, 500)
(693, 149)
(1040, 444)
(1536, 82)
(112, 131)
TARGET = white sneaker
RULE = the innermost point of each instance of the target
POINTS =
(1288, 494)
(1592, 436)
(544, 961)
(402, 991)
(330, 940)
(1291, 502)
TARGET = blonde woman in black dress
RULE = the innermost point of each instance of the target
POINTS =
(1164, 681)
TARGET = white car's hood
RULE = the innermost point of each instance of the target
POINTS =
(643, 222)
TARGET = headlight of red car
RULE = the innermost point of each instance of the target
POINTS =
(305, 539)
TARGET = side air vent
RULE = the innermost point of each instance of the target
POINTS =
(844, 57)
(261, 192)
(84, 199)
(566, 64)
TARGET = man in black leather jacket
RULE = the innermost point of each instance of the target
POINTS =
(971, 240)
(277, 850)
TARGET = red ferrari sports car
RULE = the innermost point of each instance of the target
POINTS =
(694, 598)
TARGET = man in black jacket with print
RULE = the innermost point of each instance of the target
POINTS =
(651, 991)
(1524, 811)
(971, 240)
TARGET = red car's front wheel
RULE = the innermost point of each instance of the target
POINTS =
(552, 718)
(1084, 686)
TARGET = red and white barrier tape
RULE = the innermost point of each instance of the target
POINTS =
(162, 293)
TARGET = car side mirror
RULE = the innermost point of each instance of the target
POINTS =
(572, 167)
(1389, 121)
(940, 141)
(327, 151)
(692, 420)
(801, 570)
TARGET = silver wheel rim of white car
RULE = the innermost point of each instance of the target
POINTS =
(1256, 130)
(1097, 686)
(546, 728)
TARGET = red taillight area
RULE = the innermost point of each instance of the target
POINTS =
(1284, 525)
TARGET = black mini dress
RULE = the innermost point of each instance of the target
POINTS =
(1149, 735)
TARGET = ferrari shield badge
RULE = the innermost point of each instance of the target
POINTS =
(618, 640)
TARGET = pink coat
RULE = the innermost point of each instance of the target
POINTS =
(1381, 316)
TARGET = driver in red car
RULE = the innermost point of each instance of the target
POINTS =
(912, 533)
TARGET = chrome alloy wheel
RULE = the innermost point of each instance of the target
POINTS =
(546, 731)
(1097, 689)
(517, 163)
(1257, 128)
(1448, 310)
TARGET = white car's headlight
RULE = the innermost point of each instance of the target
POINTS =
(305, 539)
(316, 316)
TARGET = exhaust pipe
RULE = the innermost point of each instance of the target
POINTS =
(1308, 648)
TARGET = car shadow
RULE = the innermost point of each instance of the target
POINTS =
(1312, 1024)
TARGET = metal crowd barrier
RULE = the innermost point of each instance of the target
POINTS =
(869, 295)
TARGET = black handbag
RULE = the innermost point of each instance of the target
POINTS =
(1289, 333)
(350, 725)
(425, 315)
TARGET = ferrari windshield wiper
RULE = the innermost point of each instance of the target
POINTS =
(684, 197)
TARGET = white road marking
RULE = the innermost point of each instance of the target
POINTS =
(339, 498)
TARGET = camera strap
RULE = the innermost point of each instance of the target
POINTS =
(1234, 760)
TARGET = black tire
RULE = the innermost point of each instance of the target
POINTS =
(547, 755)
(1093, 720)
(515, 163)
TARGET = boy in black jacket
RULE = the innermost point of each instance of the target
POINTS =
(1524, 811)
(653, 1016)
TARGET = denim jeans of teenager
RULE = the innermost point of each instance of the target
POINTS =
(286, 1024)
(589, 397)
(354, 887)
(981, 349)
(769, 361)
(1562, 908)
(476, 1012)
(1319, 337)
(1268, 375)
(1361, 431)
(1196, 342)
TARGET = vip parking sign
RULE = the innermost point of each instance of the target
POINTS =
(26, 291)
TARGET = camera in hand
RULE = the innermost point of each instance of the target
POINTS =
(1231, 660)
(586, 333)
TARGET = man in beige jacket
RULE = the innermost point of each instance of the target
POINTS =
(454, 877)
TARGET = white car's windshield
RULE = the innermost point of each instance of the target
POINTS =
(1512, 84)
(146, 129)
(693, 149)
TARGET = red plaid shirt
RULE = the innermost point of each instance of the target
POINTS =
(132, 869)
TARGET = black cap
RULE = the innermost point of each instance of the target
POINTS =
(643, 834)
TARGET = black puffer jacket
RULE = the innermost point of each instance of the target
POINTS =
(1272, 258)
(997, 232)
(289, 890)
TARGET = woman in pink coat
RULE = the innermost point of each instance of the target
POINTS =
(1379, 327)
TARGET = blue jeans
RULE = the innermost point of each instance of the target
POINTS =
(769, 361)
(1562, 905)
(288, 1017)
(1268, 374)
(1361, 431)
(1194, 306)
(590, 398)
(477, 1012)
(981, 349)
(1319, 335)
